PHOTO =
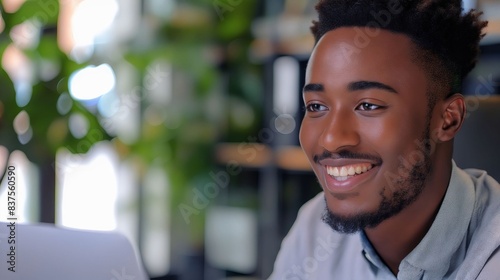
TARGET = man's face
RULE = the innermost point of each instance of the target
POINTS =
(366, 120)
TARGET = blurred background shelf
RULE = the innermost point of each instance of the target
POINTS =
(287, 157)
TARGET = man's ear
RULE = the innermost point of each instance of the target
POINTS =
(452, 117)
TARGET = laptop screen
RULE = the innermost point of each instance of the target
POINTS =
(47, 252)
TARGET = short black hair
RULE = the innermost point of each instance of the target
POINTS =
(447, 39)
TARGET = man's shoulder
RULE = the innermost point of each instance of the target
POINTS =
(487, 200)
(482, 179)
(491, 269)
(483, 253)
(486, 191)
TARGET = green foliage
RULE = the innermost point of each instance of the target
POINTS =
(206, 43)
(45, 12)
(42, 107)
(7, 113)
(211, 53)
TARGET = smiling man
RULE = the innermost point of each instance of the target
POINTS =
(383, 105)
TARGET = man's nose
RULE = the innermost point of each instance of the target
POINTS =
(340, 132)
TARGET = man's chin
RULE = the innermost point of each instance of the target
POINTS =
(352, 222)
(343, 224)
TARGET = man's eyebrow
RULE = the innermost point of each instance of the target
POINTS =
(313, 87)
(354, 86)
(362, 85)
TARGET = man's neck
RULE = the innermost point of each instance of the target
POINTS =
(397, 236)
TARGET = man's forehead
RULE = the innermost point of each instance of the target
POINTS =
(343, 57)
(346, 46)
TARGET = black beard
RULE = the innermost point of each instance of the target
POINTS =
(408, 189)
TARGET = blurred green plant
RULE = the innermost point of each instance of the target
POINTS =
(209, 55)
(45, 92)
(219, 97)
(36, 20)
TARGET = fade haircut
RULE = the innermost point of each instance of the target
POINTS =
(446, 38)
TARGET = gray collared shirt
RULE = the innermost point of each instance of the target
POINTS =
(462, 242)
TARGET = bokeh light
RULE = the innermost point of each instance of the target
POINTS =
(92, 82)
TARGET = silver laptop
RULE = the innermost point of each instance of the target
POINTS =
(46, 252)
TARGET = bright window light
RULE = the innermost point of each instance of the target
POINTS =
(96, 191)
(25, 180)
(91, 18)
(87, 189)
(92, 82)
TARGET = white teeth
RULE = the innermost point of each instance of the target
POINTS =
(345, 172)
(351, 171)
(359, 169)
(335, 172)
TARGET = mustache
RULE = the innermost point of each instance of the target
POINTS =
(345, 154)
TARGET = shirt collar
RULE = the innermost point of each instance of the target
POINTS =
(434, 253)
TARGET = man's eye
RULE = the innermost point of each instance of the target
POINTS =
(315, 107)
(368, 107)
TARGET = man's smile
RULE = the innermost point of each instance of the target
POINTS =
(342, 173)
